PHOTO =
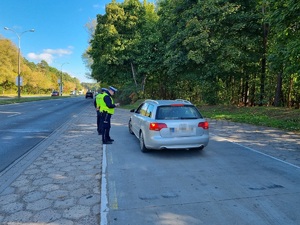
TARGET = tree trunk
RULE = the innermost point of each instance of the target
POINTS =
(263, 64)
(133, 74)
(290, 92)
(252, 91)
(144, 83)
(241, 92)
(262, 81)
(278, 92)
(246, 93)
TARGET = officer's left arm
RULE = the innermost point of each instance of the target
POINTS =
(108, 102)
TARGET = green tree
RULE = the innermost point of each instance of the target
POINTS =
(114, 47)
(208, 44)
(284, 50)
(8, 64)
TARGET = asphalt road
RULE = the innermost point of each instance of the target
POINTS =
(25, 125)
(226, 183)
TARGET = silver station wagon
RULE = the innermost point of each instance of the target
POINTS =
(169, 124)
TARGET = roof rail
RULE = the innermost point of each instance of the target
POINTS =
(182, 100)
(152, 100)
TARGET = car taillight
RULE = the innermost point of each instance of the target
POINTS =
(157, 126)
(204, 125)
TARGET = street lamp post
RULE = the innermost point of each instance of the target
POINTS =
(61, 73)
(19, 55)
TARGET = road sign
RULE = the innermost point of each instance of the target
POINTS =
(21, 81)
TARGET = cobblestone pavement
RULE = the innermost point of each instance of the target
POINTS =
(59, 182)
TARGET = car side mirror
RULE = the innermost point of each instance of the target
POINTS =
(132, 110)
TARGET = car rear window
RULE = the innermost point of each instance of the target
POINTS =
(177, 112)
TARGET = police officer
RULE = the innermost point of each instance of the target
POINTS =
(97, 106)
(107, 109)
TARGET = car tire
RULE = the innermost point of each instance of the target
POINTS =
(130, 127)
(142, 143)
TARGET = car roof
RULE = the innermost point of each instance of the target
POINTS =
(168, 102)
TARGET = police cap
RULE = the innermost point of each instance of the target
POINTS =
(113, 88)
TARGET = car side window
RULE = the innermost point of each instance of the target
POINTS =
(149, 110)
(144, 109)
(138, 111)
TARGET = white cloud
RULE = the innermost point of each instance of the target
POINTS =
(39, 57)
(59, 52)
(49, 54)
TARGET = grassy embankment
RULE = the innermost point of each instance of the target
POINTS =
(281, 118)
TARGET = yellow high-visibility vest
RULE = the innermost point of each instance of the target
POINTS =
(103, 106)
(98, 99)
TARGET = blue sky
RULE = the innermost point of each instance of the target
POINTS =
(60, 35)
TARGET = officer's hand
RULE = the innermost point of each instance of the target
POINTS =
(117, 104)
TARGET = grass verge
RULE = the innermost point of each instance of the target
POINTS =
(281, 118)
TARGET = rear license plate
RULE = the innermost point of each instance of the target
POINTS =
(183, 129)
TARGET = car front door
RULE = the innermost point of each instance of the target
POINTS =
(137, 118)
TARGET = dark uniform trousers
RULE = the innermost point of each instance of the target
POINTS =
(105, 126)
(99, 122)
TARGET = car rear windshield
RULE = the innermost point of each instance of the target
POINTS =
(171, 112)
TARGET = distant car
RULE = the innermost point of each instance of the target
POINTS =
(89, 94)
(55, 93)
(169, 124)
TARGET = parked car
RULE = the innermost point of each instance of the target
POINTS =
(169, 124)
(89, 94)
(55, 93)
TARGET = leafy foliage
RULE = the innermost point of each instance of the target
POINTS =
(37, 78)
(230, 52)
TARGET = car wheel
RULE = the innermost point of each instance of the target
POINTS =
(142, 143)
(130, 127)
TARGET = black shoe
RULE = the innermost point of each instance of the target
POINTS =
(107, 142)
(111, 140)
